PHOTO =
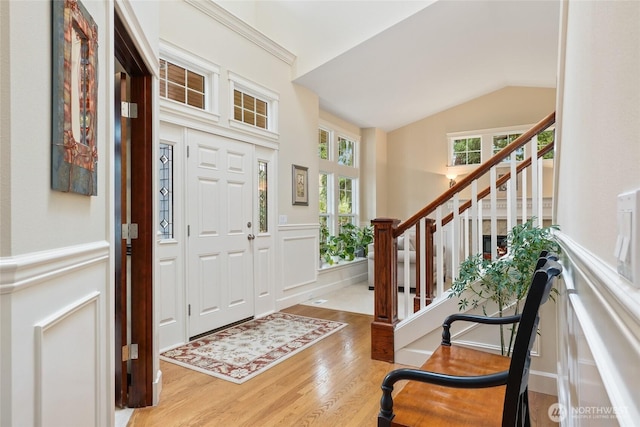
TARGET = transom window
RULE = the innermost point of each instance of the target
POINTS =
(188, 87)
(254, 107)
(323, 144)
(250, 110)
(345, 151)
(182, 85)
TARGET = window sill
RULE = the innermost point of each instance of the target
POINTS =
(340, 264)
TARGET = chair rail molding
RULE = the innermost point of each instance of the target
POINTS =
(22, 271)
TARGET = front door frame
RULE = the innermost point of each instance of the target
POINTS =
(141, 298)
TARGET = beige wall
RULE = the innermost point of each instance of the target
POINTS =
(417, 153)
(599, 145)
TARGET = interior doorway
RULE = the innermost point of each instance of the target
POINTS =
(133, 216)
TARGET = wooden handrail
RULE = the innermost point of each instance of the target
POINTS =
(500, 181)
(477, 173)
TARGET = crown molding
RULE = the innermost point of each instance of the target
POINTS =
(213, 10)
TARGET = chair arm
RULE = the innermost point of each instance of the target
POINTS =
(456, 381)
(446, 325)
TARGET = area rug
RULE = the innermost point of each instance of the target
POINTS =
(241, 352)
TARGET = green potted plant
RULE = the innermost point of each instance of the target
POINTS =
(324, 238)
(364, 236)
(504, 281)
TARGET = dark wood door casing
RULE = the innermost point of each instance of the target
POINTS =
(141, 139)
(120, 252)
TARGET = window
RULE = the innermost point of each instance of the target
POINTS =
(338, 180)
(188, 87)
(545, 138)
(467, 151)
(323, 144)
(250, 110)
(345, 152)
(263, 197)
(323, 202)
(255, 108)
(165, 175)
(477, 146)
(501, 141)
(346, 213)
(181, 85)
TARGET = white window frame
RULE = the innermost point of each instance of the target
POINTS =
(486, 144)
(184, 114)
(336, 171)
(237, 82)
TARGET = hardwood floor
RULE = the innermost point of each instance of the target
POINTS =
(332, 383)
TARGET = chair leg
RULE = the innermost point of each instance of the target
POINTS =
(523, 418)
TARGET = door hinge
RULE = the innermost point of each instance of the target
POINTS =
(129, 231)
(129, 110)
(189, 309)
(188, 231)
(187, 151)
(129, 352)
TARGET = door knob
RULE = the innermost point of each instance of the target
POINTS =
(251, 236)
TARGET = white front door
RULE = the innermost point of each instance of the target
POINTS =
(220, 222)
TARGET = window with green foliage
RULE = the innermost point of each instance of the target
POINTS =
(345, 152)
(467, 151)
(337, 181)
(476, 146)
(545, 138)
(345, 195)
(323, 143)
(501, 141)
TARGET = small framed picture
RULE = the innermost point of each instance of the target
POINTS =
(300, 185)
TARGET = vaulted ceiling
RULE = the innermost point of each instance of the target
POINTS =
(386, 64)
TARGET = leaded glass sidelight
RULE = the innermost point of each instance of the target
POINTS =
(263, 194)
(165, 174)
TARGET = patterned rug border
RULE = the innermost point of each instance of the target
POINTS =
(301, 343)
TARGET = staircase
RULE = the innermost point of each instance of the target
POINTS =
(452, 226)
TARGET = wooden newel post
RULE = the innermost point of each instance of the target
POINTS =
(385, 315)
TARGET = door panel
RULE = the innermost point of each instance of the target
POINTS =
(170, 283)
(220, 259)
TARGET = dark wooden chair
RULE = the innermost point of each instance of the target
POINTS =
(461, 386)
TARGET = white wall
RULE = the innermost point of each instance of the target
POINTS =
(54, 270)
(598, 155)
(418, 152)
(213, 35)
(56, 273)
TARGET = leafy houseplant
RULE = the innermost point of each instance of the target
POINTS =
(506, 280)
(364, 236)
(347, 245)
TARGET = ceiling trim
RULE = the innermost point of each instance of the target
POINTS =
(240, 27)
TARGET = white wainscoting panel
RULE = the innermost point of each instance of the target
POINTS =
(67, 353)
(299, 248)
(172, 303)
(599, 324)
(57, 337)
